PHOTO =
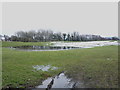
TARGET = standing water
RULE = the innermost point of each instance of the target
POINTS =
(43, 48)
(59, 81)
(66, 46)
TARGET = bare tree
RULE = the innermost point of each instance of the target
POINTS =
(64, 36)
(49, 35)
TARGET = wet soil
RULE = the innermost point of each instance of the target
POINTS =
(59, 81)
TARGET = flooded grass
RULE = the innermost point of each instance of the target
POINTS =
(97, 67)
(44, 67)
(65, 44)
(59, 81)
(42, 48)
(54, 46)
(89, 44)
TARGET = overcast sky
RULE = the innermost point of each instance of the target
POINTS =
(85, 18)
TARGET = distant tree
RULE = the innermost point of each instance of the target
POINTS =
(6, 37)
(64, 36)
(115, 38)
(68, 37)
(59, 37)
(75, 36)
(72, 38)
(14, 38)
(31, 35)
(49, 35)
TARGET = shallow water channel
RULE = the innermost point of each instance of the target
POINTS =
(43, 48)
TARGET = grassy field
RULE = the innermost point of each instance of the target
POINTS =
(96, 67)
(12, 44)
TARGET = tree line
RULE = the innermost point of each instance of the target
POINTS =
(49, 35)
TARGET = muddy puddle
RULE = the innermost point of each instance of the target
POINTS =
(59, 81)
(43, 48)
(44, 67)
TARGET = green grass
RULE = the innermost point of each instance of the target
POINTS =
(12, 44)
(90, 66)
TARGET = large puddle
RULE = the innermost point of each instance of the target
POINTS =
(66, 46)
(59, 81)
(43, 48)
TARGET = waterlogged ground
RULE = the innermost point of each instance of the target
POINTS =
(89, 67)
(44, 67)
(42, 48)
(59, 81)
(54, 46)
(89, 44)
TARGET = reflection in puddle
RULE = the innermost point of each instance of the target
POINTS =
(42, 48)
(59, 81)
(44, 68)
(66, 46)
